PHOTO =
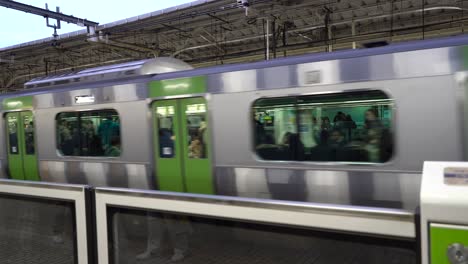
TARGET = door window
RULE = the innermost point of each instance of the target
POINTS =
(28, 125)
(196, 130)
(165, 119)
(13, 134)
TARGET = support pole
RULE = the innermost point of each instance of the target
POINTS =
(267, 39)
(47, 13)
(353, 32)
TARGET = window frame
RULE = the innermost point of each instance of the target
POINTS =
(78, 112)
(295, 97)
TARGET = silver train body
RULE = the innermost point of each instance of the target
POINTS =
(426, 80)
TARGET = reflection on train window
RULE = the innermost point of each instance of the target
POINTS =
(196, 129)
(344, 127)
(29, 134)
(89, 133)
(13, 134)
(165, 115)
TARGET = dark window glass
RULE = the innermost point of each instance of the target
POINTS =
(89, 133)
(159, 237)
(165, 115)
(196, 129)
(13, 134)
(36, 230)
(344, 127)
(29, 134)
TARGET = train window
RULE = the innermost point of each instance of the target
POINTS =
(167, 137)
(196, 129)
(13, 134)
(89, 133)
(344, 127)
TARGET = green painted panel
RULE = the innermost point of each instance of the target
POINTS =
(18, 103)
(441, 238)
(31, 172)
(167, 146)
(465, 57)
(14, 150)
(193, 85)
(196, 153)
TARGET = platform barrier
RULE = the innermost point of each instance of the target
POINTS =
(42, 223)
(161, 227)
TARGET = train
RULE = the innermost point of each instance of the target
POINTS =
(351, 127)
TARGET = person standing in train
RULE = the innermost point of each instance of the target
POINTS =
(107, 130)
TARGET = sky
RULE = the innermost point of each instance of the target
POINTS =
(17, 27)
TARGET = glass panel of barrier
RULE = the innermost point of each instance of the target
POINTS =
(44, 223)
(35, 230)
(139, 236)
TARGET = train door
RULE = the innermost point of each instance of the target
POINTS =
(22, 159)
(182, 146)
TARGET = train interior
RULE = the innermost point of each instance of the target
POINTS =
(349, 127)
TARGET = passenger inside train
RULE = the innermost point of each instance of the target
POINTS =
(299, 128)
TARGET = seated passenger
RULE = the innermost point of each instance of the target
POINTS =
(322, 152)
(294, 146)
(271, 151)
(325, 124)
(337, 140)
(336, 143)
(114, 149)
(339, 120)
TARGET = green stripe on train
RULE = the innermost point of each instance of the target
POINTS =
(18, 103)
(192, 85)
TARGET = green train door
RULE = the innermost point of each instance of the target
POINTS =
(22, 159)
(182, 146)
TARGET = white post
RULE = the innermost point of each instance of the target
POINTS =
(268, 39)
(353, 32)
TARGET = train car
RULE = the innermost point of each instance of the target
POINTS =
(350, 127)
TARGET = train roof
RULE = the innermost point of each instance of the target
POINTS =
(184, 71)
(326, 56)
(114, 71)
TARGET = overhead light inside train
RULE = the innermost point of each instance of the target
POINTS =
(181, 85)
(14, 104)
(84, 99)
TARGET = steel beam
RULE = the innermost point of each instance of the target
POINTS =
(47, 13)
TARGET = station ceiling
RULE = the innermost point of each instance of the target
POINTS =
(213, 32)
